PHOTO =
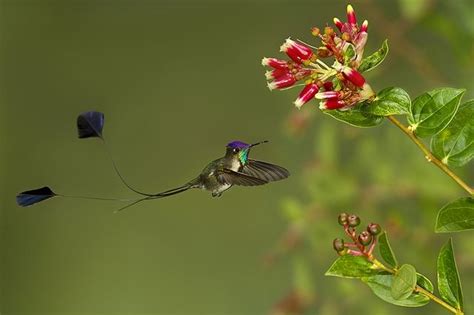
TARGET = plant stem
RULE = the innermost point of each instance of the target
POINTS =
(438, 300)
(429, 156)
(381, 265)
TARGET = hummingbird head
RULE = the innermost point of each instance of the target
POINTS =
(240, 150)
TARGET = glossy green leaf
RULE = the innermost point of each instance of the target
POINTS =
(431, 112)
(424, 282)
(456, 216)
(381, 285)
(390, 101)
(403, 282)
(449, 285)
(356, 116)
(349, 266)
(386, 251)
(454, 146)
(372, 61)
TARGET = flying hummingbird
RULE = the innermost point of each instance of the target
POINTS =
(234, 168)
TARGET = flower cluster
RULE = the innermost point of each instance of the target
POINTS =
(362, 244)
(339, 86)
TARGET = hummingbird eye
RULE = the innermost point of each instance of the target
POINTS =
(235, 150)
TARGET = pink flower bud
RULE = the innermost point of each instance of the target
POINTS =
(296, 51)
(338, 23)
(306, 94)
(353, 76)
(351, 17)
(275, 73)
(275, 63)
(332, 103)
(360, 41)
(281, 82)
(364, 26)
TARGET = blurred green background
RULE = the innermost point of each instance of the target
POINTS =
(177, 80)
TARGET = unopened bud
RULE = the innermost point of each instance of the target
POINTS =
(345, 36)
(315, 31)
(328, 30)
(365, 238)
(353, 220)
(374, 229)
(323, 52)
(342, 219)
(338, 245)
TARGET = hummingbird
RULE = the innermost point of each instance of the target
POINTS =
(235, 168)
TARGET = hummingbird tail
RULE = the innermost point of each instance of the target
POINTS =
(119, 174)
(31, 197)
(163, 194)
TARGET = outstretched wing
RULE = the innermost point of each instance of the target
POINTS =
(236, 178)
(266, 171)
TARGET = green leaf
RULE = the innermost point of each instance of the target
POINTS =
(349, 54)
(348, 266)
(381, 286)
(355, 116)
(431, 112)
(386, 251)
(404, 282)
(454, 146)
(390, 101)
(449, 285)
(337, 85)
(424, 282)
(456, 216)
(372, 61)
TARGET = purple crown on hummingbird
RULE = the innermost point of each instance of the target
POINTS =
(238, 145)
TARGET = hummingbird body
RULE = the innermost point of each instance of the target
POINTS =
(208, 179)
(235, 168)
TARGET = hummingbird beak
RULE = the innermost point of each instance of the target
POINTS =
(254, 144)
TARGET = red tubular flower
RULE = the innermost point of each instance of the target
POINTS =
(296, 51)
(364, 27)
(351, 17)
(282, 82)
(306, 94)
(332, 103)
(359, 41)
(275, 63)
(304, 65)
(327, 94)
(338, 23)
(353, 76)
(275, 73)
(350, 27)
(328, 86)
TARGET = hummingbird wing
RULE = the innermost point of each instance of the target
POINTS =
(266, 171)
(236, 178)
